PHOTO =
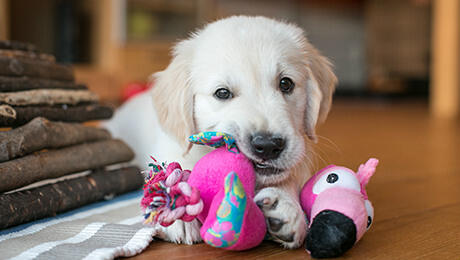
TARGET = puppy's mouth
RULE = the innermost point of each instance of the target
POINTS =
(266, 169)
(262, 168)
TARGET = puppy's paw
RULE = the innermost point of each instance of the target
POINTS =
(180, 232)
(285, 219)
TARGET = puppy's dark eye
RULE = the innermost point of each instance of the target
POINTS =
(286, 85)
(223, 93)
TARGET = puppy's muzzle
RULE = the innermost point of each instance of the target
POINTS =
(267, 146)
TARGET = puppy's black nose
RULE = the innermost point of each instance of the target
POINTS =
(331, 234)
(266, 146)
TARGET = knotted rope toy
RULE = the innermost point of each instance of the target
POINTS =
(224, 205)
(168, 196)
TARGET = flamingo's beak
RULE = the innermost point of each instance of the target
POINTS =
(331, 234)
(339, 219)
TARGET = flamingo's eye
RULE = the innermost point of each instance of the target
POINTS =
(337, 177)
(332, 177)
(370, 213)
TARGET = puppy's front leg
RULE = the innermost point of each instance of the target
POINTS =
(285, 219)
(180, 232)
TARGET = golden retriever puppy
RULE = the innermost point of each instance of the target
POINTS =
(255, 78)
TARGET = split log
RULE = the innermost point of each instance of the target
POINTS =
(27, 54)
(8, 84)
(64, 113)
(48, 200)
(14, 45)
(47, 97)
(56, 163)
(7, 112)
(42, 134)
(7, 115)
(33, 68)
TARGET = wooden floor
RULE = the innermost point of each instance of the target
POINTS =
(415, 192)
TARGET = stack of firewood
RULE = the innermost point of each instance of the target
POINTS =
(49, 163)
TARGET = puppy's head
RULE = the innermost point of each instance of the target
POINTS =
(255, 78)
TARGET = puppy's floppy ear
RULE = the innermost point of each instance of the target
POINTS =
(320, 87)
(173, 96)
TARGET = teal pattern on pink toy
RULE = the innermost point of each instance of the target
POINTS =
(226, 230)
(215, 139)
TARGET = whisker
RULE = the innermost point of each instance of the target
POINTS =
(330, 144)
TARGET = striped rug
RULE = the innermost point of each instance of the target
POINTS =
(103, 230)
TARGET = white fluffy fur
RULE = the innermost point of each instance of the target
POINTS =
(248, 55)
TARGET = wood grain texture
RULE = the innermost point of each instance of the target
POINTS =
(415, 190)
(19, 67)
(51, 164)
(64, 113)
(27, 55)
(48, 97)
(41, 133)
(8, 84)
(48, 200)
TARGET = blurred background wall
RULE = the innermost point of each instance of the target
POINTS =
(380, 48)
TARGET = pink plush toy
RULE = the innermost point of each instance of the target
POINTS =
(338, 209)
(219, 192)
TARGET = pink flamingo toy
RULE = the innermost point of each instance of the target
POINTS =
(337, 208)
(219, 192)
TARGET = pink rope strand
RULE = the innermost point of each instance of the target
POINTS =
(168, 196)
